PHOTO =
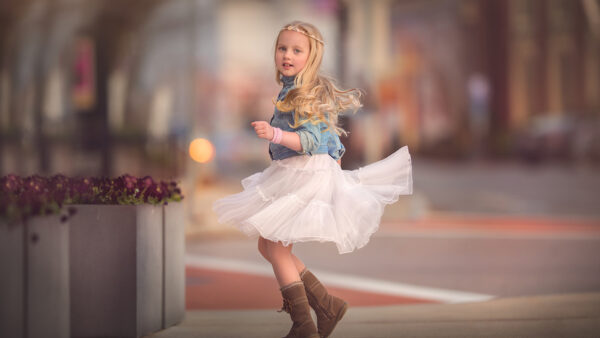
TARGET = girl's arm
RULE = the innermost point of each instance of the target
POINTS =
(290, 139)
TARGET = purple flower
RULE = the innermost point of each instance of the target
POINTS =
(37, 195)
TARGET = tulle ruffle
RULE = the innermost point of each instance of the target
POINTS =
(310, 198)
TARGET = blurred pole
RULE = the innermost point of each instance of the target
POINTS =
(541, 104)
(92, 116)
(102, 65)
(580, 65)
(193, 74)
(14, 134)
(497, 26)
(342, 42)
(592, 12)
(4, 95)
(191, 168)
(40, 86)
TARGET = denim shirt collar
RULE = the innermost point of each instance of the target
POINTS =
(288, 81)
(288, 84)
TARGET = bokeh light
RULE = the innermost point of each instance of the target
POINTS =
(202, 150)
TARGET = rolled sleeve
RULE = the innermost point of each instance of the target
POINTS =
(336, 149)
(310, 137)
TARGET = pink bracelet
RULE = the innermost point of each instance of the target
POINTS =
(277, 135)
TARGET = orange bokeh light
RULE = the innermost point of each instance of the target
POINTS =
(202, 150)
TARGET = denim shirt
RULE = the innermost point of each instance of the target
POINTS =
(315, 139)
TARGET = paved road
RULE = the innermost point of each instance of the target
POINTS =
(508, 188)
(507, 258)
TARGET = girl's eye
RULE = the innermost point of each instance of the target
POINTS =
(297, 51)
(282, 49)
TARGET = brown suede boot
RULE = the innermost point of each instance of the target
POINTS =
(296, 304)
(329, 309)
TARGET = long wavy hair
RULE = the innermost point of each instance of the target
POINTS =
(315, 97)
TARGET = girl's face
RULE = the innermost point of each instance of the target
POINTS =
(291, 52)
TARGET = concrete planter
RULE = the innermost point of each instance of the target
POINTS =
(125, 270)
(174, 264)
(116, 270)
(34, 287)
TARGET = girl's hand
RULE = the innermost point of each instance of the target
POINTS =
(263, 129)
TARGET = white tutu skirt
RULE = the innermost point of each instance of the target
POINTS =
(310, 198)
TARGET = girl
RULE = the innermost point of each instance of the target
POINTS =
(304, 195)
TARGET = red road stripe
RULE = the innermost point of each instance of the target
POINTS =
(219, 290)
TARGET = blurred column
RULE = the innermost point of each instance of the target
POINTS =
(342, 64)
(4, 101)
(381, 38)
(564, 56)
(40, 75)
(4, 86)
(4, 109)
(523, 56)
(202, 57)
(89, 98)
(577, 104)
(10, 11)
(592, 57)
(369, 45)
(477, 76)
(496, 14)
(198, 112)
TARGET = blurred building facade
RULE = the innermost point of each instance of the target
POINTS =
(99, 87)
(469, 78)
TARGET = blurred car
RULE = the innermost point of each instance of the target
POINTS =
(559, 137)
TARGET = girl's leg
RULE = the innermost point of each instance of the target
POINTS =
(293, 292)
(282, 262)
(299, 265)
(262, 248)
(287, 268)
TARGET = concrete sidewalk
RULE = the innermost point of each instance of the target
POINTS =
(568, 315)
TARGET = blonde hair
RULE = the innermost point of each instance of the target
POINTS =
(315, 97)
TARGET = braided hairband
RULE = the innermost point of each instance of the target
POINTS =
(296, 29)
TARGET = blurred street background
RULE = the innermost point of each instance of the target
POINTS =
(498, 101)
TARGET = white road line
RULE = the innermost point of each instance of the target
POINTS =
(475, 234)
(343, 281)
